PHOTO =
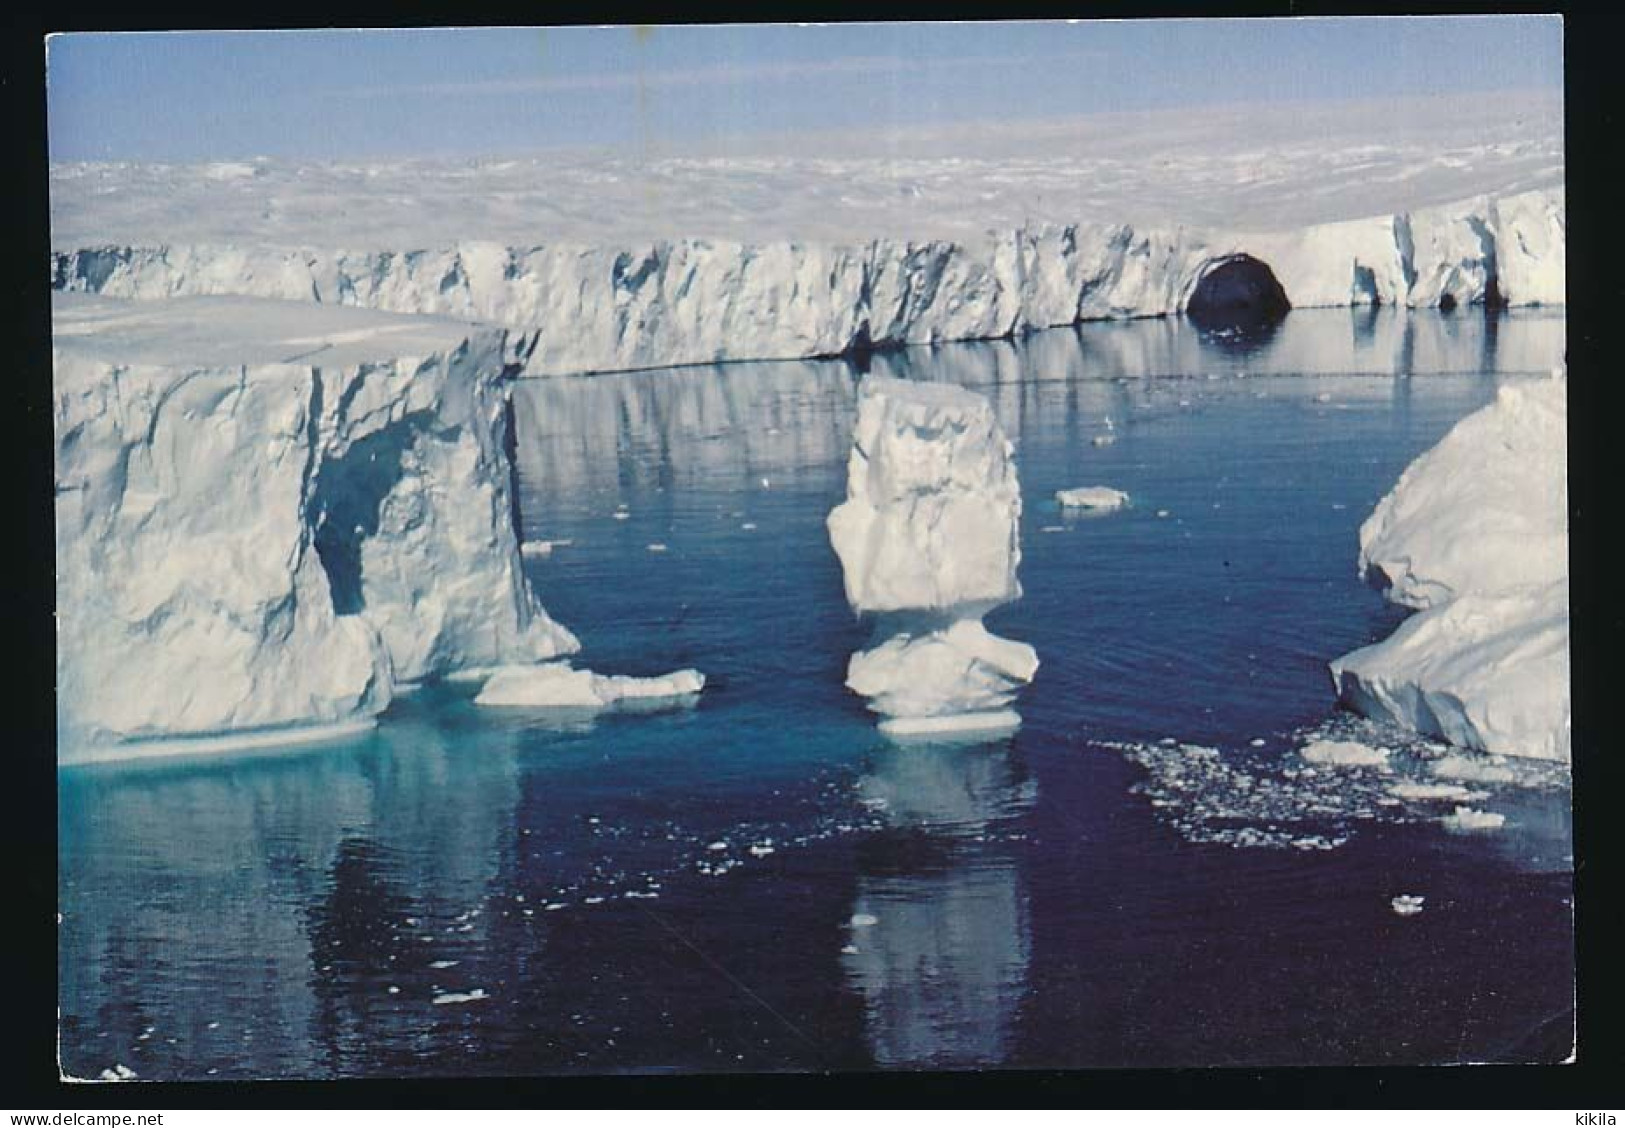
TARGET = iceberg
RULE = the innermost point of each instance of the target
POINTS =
(1474, 536)
(556, 685)
(929, 542)
(278, 513)
(1344, 753)
(1092, 497)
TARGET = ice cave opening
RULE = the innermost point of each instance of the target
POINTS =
(1237, 292)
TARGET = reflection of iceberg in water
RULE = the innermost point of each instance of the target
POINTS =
(940, 937)
(215, 915)
(723, 424)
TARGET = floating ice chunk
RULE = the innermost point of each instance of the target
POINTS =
(929, 678)
(1467, 818)
(761, 851)
(863, 920)
(1092, 497)
(556, 685)
(443, 964)
(449, 997)
(1103, 440)
(1407, 904)
(119, 1072)
(957, 724)
(849, 949)
(1053, 529)
(657, 547)
(1344, 752)
(717, 846)
(748, 526)
(1257, 742)
(1432, 791)
(1163, 513)
(1473, 769)
(533, 549)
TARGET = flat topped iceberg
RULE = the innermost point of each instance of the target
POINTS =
(929, 542)
(1092, 497)
(1475, 536)
(932, 511)
(556, 685)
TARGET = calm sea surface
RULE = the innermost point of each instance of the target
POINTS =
(764, 882)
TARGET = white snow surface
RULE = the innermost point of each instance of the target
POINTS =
(617, 264)
(929, 536)
(1475, 536)
(1276, 167)
(205, 452)
(555, 685)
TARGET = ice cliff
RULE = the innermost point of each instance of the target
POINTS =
(929, 542)
(1475, 537)
(277, 514)
(599, 307)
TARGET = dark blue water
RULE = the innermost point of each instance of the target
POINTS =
(765, 883)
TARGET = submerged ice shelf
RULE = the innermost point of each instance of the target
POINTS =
(929, 542)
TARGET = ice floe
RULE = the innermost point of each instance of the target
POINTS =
(557, 685)
(1092, 497)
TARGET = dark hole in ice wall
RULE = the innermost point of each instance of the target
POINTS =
(350, 491)
(1239, 292)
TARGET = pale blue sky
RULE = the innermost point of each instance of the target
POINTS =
(462, 92)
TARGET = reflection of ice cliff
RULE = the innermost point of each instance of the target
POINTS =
(940, 950)
(727, 424)
(262, 912)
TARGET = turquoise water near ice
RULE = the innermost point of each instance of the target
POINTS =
(764, 882)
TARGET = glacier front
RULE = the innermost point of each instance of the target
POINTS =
(690, 300)
(1475, 536)
(929, 542)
